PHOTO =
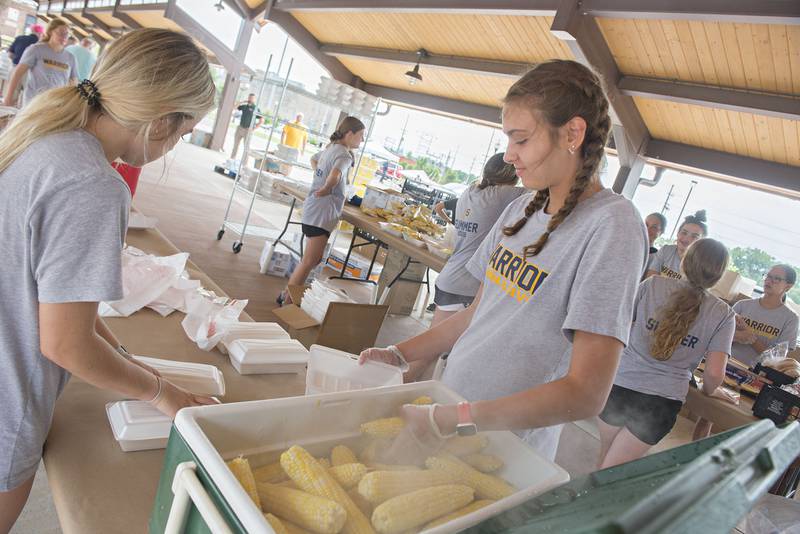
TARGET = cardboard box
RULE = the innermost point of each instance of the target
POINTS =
(348, 327)
(277, 261)
(379, 198)
(357, 265)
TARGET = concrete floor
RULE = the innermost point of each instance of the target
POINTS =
(190, 200)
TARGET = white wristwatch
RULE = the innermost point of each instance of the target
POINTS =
(402, 363)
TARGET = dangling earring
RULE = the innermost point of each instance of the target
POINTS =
(571, 150)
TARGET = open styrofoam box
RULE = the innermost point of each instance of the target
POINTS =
(331, 370)
(137, 426)
(261, 430)
(268, 356)
(247, 330)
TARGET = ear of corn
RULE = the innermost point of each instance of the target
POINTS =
(486, 486)
(318, 514)
(422, 400)
(276, 524)
(388, 427)
(348, 475)
(380, 486)
(240, 468)
(324, 462)
(363, 504)
(485, 463)
(392, 467)
(341, 455)
(291, 528)
(310, 476)
(269, 473)
(468, 509)
(464, 445)
(405, 512)
(373, 449)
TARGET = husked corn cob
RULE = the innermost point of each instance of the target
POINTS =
(380, 486)
(464, 445)
(288, 483)
(363, 504)
(388, 427)
(422, 400)
(468, 509)
(405, 512)
(392, 467)
(373, 449)
(348, 475)
(269, 473)
(315, 513)
(310, 476)
(276, 524)
(485, 463)
(240, 468)
(291, 528)
(341, 455)
(486, 486)
(324, 462)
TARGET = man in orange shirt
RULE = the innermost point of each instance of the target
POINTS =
(295, 134)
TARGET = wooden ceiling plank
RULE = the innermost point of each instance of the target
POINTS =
(717, 48)
(649, 48)
(695, 73)
(762, 133)
(780, 56)
(662, 46)
(725, 130)
(740, 140)
(791, 133)
(704, 54)
(793, 35)
(777, 139)
(676, 50)
(748, 55)
(620, 44)
(733, 56)
(764, 52)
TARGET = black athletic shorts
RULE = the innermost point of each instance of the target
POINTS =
(451, 301)
(314, 231)
(648, 417)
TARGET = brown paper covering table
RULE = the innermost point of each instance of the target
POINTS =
(724, 415)
(96, 487)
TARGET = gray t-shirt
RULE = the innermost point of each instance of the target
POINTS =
(771, 327)
(712, 331)
(63, 216)
(667, 262)
(48, 69)
(476, 211)
(584, 279)
(325, 212)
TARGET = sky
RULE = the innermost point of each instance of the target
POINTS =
(737, 216)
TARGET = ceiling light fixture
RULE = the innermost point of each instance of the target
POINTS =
(413, 76)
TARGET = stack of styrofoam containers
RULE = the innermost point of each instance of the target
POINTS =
(268, 356)
(138, 426)
(251, 330)
(318, 297)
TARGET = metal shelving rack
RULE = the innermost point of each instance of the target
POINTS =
(244, 228)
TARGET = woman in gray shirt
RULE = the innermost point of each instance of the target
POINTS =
(476, 211)
(323, 206)
(63, 217)
(667, 261)
(677, 323)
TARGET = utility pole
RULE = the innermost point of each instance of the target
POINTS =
(402, 137)
(665, 208)
(678, 221)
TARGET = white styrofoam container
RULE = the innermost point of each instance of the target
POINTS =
(251, 330)
(261, 430)
(268, 356)
(197, 378)
(137, 426)
(331, 370)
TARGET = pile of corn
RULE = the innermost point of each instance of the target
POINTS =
(355, 495)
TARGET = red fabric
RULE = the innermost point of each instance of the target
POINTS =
(130, 174)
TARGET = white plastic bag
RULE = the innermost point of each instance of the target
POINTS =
(144, 278)
(208, 317)
(174, 298)
(772, 355)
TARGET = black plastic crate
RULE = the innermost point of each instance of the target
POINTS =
(777, 405)
(773, 375)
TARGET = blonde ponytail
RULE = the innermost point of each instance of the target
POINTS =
(703, 264)
(142, 77)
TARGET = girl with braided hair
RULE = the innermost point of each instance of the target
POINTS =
(540, 344)
(63, 218)
(677, 323)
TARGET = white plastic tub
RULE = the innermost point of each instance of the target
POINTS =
(331, 370)
(261, 430)
(268, 356)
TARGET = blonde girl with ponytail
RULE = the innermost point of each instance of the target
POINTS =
(63, 218)
(539, 346)
(676, 324)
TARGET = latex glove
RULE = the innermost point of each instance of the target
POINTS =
(419, 439)
(388, 355)
(172, 398)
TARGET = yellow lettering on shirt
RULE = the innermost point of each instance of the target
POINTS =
(762, 329)
(669, 273)
(53, 64)
(514, 275)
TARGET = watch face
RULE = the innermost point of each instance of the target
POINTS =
(466, 429)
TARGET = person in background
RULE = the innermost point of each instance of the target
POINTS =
(63, 218)
(765, 322)
(667, 261)
(72, 41)
(476, 211)
(249, 110)
(295, 134)
(22, 42)
(655, 223)
(540, 344)
(323, 206)
(5, 70)
(83, 57)
(677, 323)
(47, 65)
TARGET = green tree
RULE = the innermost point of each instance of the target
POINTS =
(751, 263)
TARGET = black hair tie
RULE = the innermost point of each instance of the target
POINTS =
(88, 91)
